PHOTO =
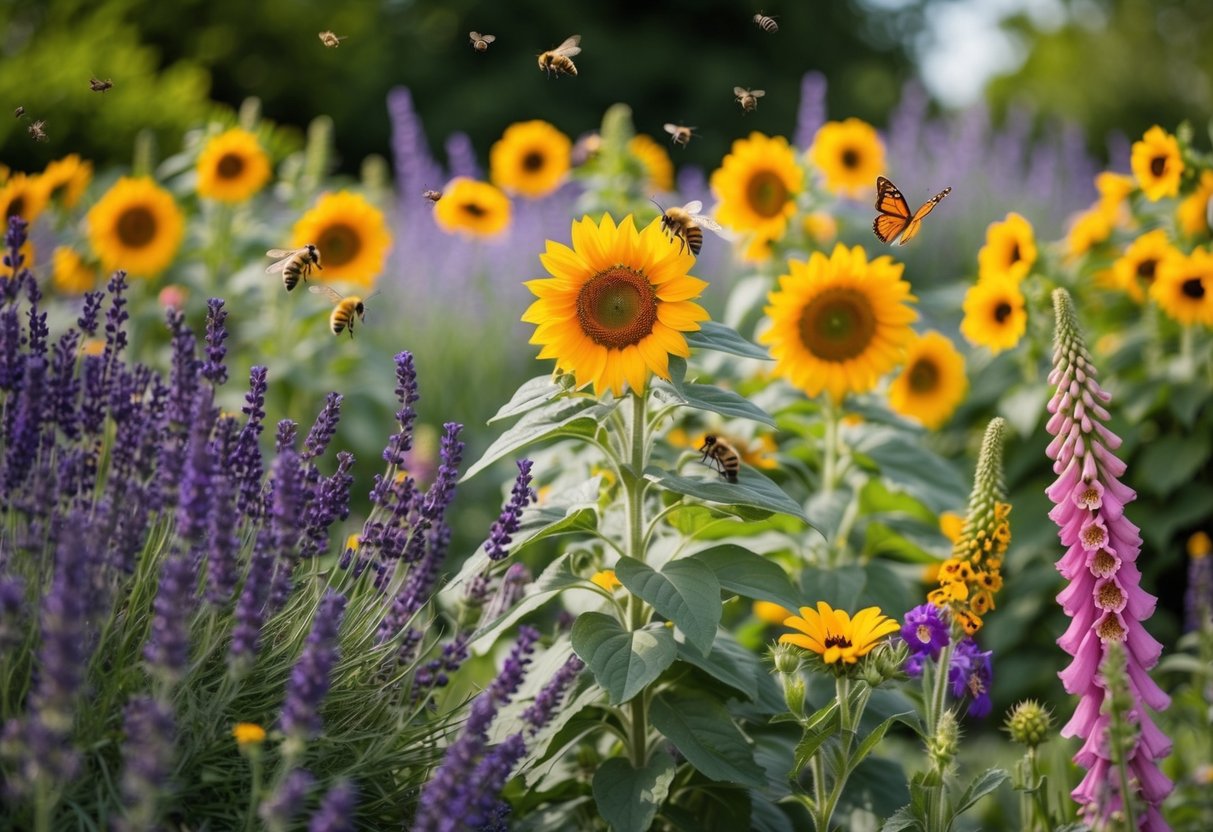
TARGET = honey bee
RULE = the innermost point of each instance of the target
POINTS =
(481, 42)
(722, 456)
(748, 99)
(686, 225)
(19, 112)
(680, 134)
(345, 309)
(331, 40)
(560, 59)
(97, 85)
(294, 264)
(432, 195)
(37, 130)
(766, 24)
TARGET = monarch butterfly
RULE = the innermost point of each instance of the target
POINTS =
(894, 218)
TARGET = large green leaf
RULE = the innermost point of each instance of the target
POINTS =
(684, 591)
(751, 489)
(714, 399)
(704, 733)
(728, 662)
(574, 416)
(911, 467)
(750, 575)
(623, 661)
(628, 798)
(576, 510)
(853, 587)
(1171, 461)
(720, 338)
(530, 395)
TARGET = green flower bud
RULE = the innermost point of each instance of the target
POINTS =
(787, 658)
(943, 745)
(1029, 723)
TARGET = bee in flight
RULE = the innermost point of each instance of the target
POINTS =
(432, 195)
(332, 41)
(481, 42)
(560, 59)
(345, 309)
(766, 24)
(748, 99)
(722, 456)
(294, 264)
(680, 134)
(97, 85)
(17, 113)
(894, 218)
(686, 225)
(37, 130)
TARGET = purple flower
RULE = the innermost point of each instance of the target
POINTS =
(24, 434)
(147, 760)
(223, 539)
(416, 589)
(812, 111)
(250, 608)
(970, 673)
(1198, 595)
(309, 680)
(548, 700)
(286, 496)
(324, 428)
(90, 312)
(925, 631)
(193, 503)
(213, 369)
(183, 374)
(245, 462)
(513, 585)
(406, 393)
(285, 436)
(440, 494)
(12, 612)
(281, 807)
(168, 645)
(336, 812)
(65, 386)
(510, 520)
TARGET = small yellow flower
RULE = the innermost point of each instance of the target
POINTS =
(834, 635)
(353, 543)
(606, 579)
(771, 612)
(248, 733)
(232, 167)
(1184, 288)
(1193, 211)
(994, 314)
(951, 524)
(1157, 164)
(850, 155)
(1135, 271)
(1199, 545)
(655, 160)
(821, 227)
(1010, 249)
(531, 158)
(471, 208)
(1114, 190)
(969, 622)
(93, 346)
(932, 382)
(69, 273)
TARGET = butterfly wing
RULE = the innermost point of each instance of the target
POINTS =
(893, 211)
(915, 222)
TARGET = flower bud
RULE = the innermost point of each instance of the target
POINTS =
(787, 658)
(1029, 723)
(943, 745)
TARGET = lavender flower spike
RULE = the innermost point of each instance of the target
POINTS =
(280, 808)
(508, 523)
(309, 681)
(147, 760)
(1104, 600)
(336, 812)
(213, 368)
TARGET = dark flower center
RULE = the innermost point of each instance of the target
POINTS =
(533, 162)
(1015, 255)
(1158, 165)
(766, 194)
(850, 158)
(136, 227)
(473, 209)
(1145, 269)
(1002, 311)
(1194, 288)
(924, 376)
(837, 641)
(838, 324)
(617, 308)
(340, 244)
(15, 206)
(230, 166)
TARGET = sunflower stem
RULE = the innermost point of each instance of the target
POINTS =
(829, 469)
(633, 482)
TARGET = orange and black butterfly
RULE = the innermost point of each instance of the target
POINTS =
(894, 218)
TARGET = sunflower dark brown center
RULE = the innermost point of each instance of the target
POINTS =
(14, 207)
(766, 194)
(230, 166)
(340, 243)
(1158, 165)
(473, 209)
(136, 226)
(1145, 269)
(1016, 255)
(617, 308)
(1194, 288)
(924, 376)
(850, 158)
(837, 325)
(837, 641)
(1002, 311)
(533, 161)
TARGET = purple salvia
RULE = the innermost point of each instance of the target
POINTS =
(245, 462)
(65, 386)
(250, 608)
(223, 540)
(336, 810)
(811, 113)
(213, 368)
(971, 674)
(547, 701)
(440, 494)
(507, 525)
(90, 313)
(324, 428)
(147, 761)
(406, 393)
(168, 643)
(310, 677)
(281, 807)
(183, 374)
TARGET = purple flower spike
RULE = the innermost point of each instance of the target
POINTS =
(925, 632)
(510, 520)
(309, 681)
(548, 700)
(147, 760)
(406, 393)
(336, 812)
(213, 369)
(280, 808)
(324, 428)
(167, 650)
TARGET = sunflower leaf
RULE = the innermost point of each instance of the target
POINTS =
(714, 399)
(573, 416)
(703, 731)
(686, 592)
(624, 662)
(750, 575)
(752, 489)
(720, 338)
(529, 396)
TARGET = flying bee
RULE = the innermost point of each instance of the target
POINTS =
(17, 113)
(766, 24)
(680, 134)
(722, 456)
(748, 99)
(345, 309)
(432, 195)
(331, 40)
(560, 59)
(481, 42)
(686, 225)
(37, 130)
(294, 264)
(97, 85)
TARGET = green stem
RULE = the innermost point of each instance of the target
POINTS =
(829, 469)
(634, 486)
(250, 817)
(848, 727)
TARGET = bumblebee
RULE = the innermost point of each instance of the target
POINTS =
(345, 309)
(431, 194)
(331, 40)
(560, 59)
(19, 112)
(680, 134)
(97, 85)
(294, 264)
(722, 456)
(37, 130)
(686, 225)
(766, 24)
(481, 42)
(748, 99)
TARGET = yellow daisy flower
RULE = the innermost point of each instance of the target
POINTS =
(1200, 545)
(932, 383)
(771, 613)
(1089, 229)
(656, 162)
(994, 314)
(27, 252)
(248, 733)
(232, 167)
(1193, 212)
(839, 323)
(1134, 272)
(22, 196)
(1010, 249)
(65, 180)
(850, 155)
(136, 226)
(606, 579)
(1184, 287)
(616, 304)
(835, 636)
(1157, 164)
(351, 234)
(1114, 190)
(531, 158)
(70, 274)
(756, 184)
(471, 208)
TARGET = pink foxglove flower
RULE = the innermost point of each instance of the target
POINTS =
(1104, 599)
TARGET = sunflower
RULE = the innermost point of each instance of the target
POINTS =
(771, 613)
(933, 382)
(616, 304)
(821, 227)
(65, 180)
(849, 154)
(835, 636)
(756, 184)
(606, 579)
(351, 234)
(136, 226)
(1193, 212)
(27, 253)
(1134, 272)
(1088, 229)
(471, 208)
(232, 167)
(839, 323)
(1157, 164)
(531, 158)
(1184, 287)
(22, 196)
(658, 169)
(70, 274)
(994, 314)
(1010, 249)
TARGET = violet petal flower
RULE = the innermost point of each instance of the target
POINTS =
(310, 678)
(925, 631)
(507, 525)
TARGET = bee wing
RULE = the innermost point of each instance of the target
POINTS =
(332, 294)
(488, 38)
(281, 252)
(569, 48)
(474, 35)
(758, 93)
(739, 92)
(707, 222)
(693, 207)
(672, 129)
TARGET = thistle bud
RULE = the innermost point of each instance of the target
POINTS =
(942, 746)
(787, 658)
(1029, 723)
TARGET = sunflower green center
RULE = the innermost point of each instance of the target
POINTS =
(617, 308)
(1158, 165)
(766, 194)
(136, 226)
(1145, 269)
(837, 325)
(340, 243)
(1002, 311)
(1194, 288)
(473, 209)
(230, 166)
(924, 376)
(533, 161)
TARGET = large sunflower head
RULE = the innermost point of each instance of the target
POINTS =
(232, 167)
(65, 180)
(932, 383)
(70, 275)
(351, 234)
(471, 208)
(994, 314)
(839, 323)
(849, 154)
(616, 304)
(1184, 287)
(756, 184)
(531, 158)
(22, 196)
(1135, 271)
(136, 226)
(1010, 249)
(1193, 212)
(653, 157)
(835, 635)
(1157, 164)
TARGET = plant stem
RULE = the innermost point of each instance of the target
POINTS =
(829, 465)
(634, 486)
